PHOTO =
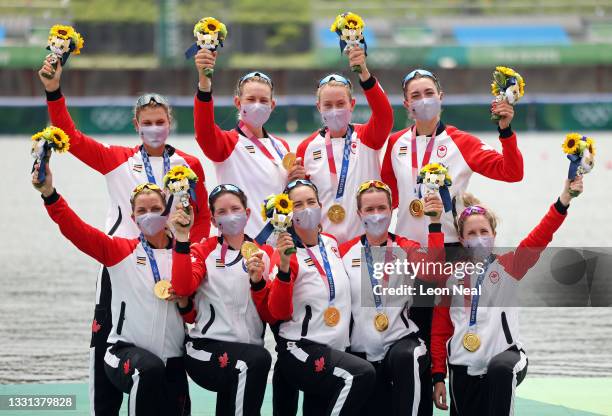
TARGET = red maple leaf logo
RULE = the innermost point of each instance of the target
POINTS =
(223, 360)
(319, 365)
(95, 326)
(126, 367)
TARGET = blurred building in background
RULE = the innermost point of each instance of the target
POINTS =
(563, 48)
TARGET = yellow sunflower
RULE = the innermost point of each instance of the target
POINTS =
(78, 43)
(591, 145)
(571, 144)
(61, 31)
(55, 136)
(507, 73)
(283, 204)
(177, 173)
(347, 20)
(264, 212)
(211, 25)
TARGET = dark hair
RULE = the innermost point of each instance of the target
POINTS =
(302, 182)
(418, 76)
(220, 190)
(370, 190)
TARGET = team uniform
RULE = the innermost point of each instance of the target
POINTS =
(397, 352)
(483, 382)
(324, 161)
(311, 353)
(123, 168)
(252, 164)
(462, 153)
(225, 348)
(145, 356)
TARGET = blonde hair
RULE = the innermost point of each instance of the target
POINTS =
(469, 200)
(239, 89)
(147, 191)
(334, 83)
(152, 105)
(370, 190)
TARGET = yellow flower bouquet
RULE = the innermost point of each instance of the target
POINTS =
(210, 34)
(43, 143)
(349, 28)
(180, 181)
(507, 85)
(580, 151)
(62, 41)
(278, 211)
(436, 178)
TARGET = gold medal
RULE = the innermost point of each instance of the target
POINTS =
(161, 289)
(289, 160)
(248, 249)
(416, 208)
(336, 213)
(381, 321)
(471, 341)
(331, 316)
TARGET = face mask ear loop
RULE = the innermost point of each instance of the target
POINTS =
(168, 206)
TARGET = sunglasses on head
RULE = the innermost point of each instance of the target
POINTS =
(293, 184)
(142, 187)
(335, 77)
(261, 75)
(473, 210)
(373, 184)
(145, 99)
(420, 72)
(224, 187)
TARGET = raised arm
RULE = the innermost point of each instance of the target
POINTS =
(217, 144)
(100, 157)
(482, 158)
(280, 298)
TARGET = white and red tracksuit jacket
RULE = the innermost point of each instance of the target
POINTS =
(238, 161)
(365, 338)
(498, 325)
(229, 307)
(299, 298)
(364, 163)
(123, 170)
(139, 317)
(463, 154)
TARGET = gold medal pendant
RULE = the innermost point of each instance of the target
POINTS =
(336, 213)
(248, 249)
(331, 316)
(289, 160)
(381, 322)
(471, 341)
(162, 289)
(416, 208)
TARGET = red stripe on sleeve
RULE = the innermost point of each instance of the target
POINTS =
(375, 132)
(441, 330)
(201, 222)
(188, 270)
(387, 173)
(217, 144)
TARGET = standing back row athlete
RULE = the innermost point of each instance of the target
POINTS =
(123, 167)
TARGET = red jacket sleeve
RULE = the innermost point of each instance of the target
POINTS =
(280, 301)
(526, 255)
(441, 331)
(105, 249)
(433, 253)
(387, 173)
(507, 166)
(189, 265)
(217, 144)
(201, 221)
(100, 157)
(375, 132)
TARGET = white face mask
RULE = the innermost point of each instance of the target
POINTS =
(151, 223)
(376, 224)
(154, 136)
(308, 218)
(255, 114)
(425, 109)
(481, 246)
(231, 224)
(337, 119)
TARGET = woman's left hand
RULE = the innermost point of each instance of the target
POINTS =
(575, 185)
(256, 267)
(505, 110)
(356, 57)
